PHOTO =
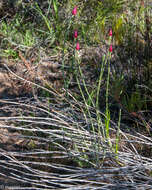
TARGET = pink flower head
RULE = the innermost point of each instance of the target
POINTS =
(75, 33)
(74, 11)
(110, 32)
(77, 46)
(110, 48)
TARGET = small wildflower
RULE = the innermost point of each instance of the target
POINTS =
(75, 33)
(110, 32)
(77, 46)
(110, 48)
(74, 11)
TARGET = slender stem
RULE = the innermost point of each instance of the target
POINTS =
(107, 119)
(117, 136)
(107, 87)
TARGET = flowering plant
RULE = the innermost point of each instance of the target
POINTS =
(74, 11)
(77, 46)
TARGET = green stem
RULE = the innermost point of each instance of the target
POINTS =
(107, 119)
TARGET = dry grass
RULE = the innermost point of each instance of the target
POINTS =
(51, 146)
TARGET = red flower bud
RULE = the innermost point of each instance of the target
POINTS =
(110, 32)
(75, 34)
(110, 48)
(77, 46)
(74, 11)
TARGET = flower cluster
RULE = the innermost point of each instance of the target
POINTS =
(110, 32)
(110, 35)
(75, 35)
(74, 11)
(110, 48)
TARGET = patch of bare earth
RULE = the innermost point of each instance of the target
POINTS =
(17, 78)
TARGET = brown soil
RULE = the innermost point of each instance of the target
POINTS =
(18, 78)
